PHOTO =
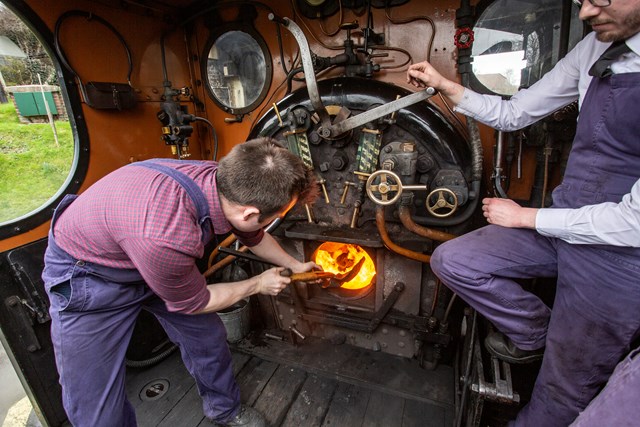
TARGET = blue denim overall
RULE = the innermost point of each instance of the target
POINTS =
(93, 313)
(596, 310)
(616, 405)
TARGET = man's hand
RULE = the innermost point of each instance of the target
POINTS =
(507, 213)
(423, 75)
(305, 266)
(271, 282)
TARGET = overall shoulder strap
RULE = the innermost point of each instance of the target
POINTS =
(194, 192)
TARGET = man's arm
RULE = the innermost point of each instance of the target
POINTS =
(270, 250)
(608, 223)
(558, 87)
(223, 295)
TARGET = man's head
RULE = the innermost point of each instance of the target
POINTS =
(266, 177)
(611, 20)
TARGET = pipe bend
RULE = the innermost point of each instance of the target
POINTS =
(380, 222)
(409, 223)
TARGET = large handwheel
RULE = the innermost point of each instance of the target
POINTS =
(387, 191)
(442, 202)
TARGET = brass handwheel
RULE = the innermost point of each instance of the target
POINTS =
(442, 199)
(387, 191)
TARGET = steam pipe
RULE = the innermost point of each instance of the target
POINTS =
(498, 166)
(405, 218)
(228, 241)
(382, 229)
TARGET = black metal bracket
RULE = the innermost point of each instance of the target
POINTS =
(23, 322)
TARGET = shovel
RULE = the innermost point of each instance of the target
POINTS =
(335, 280)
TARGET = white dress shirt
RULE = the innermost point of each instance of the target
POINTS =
(606, 223)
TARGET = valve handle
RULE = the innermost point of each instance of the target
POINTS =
(436, 201)
(389, 185)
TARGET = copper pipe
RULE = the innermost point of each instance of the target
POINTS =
(222, 263)
(405, 218)
(226, 242)
(392, 246)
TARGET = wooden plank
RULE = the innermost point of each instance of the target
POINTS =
(376, 370)
(279, 394)
(152, 412)
(312, 402)
(419, 414)
(137, 378)
(348, 406)
(239, 360)
(187, 412)
(253, 377)
(383, 410)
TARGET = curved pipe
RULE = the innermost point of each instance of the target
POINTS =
(223, 263)
(228, 241)
(392, 246)
(405, 217)
(225, 243)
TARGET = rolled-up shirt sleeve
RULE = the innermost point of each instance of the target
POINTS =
(615, 224)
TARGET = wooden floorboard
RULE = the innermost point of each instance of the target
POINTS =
(295, 389)
(279, 394)
(312, 402)
(348, 406)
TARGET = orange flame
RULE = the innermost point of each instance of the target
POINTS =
(339, 258)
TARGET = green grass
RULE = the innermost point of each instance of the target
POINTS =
(32, 168)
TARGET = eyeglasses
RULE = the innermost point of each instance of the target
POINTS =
(597, 3)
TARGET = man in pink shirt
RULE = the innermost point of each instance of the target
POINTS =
(131, 241)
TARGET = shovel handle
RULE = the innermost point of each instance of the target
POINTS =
(309, 276)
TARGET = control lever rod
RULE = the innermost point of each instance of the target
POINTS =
(326, 129)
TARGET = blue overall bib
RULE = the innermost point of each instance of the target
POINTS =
(93, 313)
(596, 310)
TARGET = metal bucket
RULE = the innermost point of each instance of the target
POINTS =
(236, 320)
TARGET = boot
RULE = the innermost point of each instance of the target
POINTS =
(504, 349)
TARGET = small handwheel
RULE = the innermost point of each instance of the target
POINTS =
(387, 191)
(442, 202)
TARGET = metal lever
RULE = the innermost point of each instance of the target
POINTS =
(326, 129)
(307, 65)
(361, 119)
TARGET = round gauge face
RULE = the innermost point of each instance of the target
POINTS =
(238, 71)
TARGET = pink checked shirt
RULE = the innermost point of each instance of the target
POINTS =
(139, 218)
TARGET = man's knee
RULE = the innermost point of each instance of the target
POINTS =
(443, 260)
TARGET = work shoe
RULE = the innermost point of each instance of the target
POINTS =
(246, 417)
(504, 349)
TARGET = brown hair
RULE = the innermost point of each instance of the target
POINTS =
(262, 174)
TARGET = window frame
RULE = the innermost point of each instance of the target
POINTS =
(73, 104)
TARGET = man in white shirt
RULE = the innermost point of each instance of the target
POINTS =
(589, 239)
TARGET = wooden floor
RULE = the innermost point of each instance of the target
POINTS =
(314, 384)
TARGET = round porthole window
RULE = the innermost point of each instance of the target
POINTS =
(238, 70)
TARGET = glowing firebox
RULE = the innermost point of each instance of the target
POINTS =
(340, 258)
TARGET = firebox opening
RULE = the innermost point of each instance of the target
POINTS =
(341, 259)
